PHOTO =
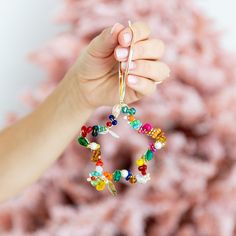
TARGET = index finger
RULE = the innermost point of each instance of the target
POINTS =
(141, 32)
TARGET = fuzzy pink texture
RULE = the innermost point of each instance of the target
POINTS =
(193, 186)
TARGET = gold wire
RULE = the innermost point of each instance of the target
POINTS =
(123, 75)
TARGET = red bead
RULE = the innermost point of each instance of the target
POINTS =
(83, 134)
(89, 129)
(99, 163)
(108, 124)
(144, 172)
(142, 168)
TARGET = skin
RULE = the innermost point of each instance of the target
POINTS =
(31, 145)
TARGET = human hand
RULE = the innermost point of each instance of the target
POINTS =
(95, 74)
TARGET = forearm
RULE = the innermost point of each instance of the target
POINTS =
(29, 147)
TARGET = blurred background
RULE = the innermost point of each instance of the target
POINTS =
(193, 186)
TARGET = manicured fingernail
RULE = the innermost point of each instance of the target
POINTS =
(122, 53)
(124, 64)
(132, 79)
(127, 37)
(114, 27)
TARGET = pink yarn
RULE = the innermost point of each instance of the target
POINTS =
(193, 187)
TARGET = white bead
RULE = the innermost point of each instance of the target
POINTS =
(88, 179)
(124, 173)
(94, 146)
(99, 169)
(158, 145)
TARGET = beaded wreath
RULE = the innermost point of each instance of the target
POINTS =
(100, 178)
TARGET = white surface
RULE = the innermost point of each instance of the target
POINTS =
(223, 11)
(26, 24)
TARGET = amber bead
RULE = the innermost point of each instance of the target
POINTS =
(132, 179)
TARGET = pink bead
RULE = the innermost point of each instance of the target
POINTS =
(146, 128)
(152, 147)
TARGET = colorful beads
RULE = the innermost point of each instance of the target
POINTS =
(127, 110)
(100, 178)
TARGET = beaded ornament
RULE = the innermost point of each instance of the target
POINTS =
(99, 178)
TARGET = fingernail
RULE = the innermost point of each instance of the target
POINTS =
(127, 37)
(113, 28)
(122, 53)
(131, 66)
(132, 79)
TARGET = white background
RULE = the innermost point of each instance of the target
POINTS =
(25, 25)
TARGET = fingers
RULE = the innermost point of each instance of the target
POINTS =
(141, 85)
(141, 32)
(152, 49)
(154, 70)
(104, 44)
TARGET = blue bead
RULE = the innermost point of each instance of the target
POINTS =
(129, 175)
(111, 117)
(114, 122)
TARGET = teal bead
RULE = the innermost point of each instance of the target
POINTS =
(83, 141)
(124, 109)
(101, 129)
(149, 155)
(132, 111)
(136, 124)
(117, 175)
(95, 173)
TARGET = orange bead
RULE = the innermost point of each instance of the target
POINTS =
(131, 118)
(107, 175)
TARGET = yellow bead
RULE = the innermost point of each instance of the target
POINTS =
(140, 162)
(100, 186)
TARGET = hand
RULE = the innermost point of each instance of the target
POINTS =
(95, 74)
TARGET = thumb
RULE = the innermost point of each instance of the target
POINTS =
(104, 44)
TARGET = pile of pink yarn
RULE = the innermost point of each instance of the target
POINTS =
(193, 187)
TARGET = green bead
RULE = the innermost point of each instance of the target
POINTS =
(149, 155)
(132, 111)
(117, 175)
(83, 141)
(124, 109)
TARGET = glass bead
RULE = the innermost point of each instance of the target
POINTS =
(108, 175)
(112, 188)
(132, 111)
(94, 146)
(99, 169)
(83, 141)
(100, 185)
(132, 179)
(140, 162)
(108, 124)
(124, 173)
(131, 118)
(149, 155)
(117, 175)
(95, 131)
(95, 173)
(99, 163)
(114, 122)
(124, 109)
(158, 145)
(95, 155)
(111, 117)
(129, 175)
